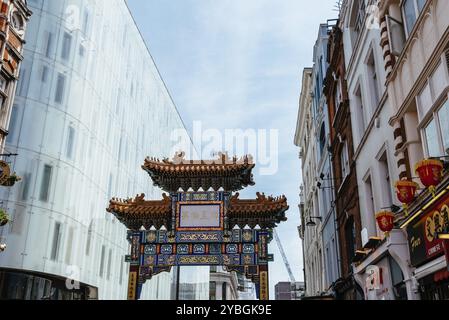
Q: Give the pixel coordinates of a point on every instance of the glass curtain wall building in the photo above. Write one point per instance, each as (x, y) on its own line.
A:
(90, 106)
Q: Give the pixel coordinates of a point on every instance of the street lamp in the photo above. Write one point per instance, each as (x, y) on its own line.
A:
(310, 223)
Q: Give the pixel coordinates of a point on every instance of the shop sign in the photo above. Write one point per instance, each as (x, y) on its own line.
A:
(423, 239)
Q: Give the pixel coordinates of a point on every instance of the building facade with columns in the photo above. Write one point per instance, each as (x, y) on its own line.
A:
(388, 101)
(224, 285)
(380, 264)
(415, 42)
(311, 236)
(318, 229)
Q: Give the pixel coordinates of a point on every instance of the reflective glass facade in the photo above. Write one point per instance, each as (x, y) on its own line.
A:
(90, 106)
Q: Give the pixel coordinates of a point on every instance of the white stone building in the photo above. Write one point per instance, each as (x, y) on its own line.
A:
(90, 107)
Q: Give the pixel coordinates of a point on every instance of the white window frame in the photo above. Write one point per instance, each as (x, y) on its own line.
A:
(407, 29)
(338, 94)
(344, 159)
(434, 116)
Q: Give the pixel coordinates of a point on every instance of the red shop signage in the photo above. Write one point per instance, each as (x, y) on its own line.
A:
(423, 239)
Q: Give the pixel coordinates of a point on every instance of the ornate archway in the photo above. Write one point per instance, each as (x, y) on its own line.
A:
(199, 226)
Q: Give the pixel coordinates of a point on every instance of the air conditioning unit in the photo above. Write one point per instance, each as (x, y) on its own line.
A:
(301, 154)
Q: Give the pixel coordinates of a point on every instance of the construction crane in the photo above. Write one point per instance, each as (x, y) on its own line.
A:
(281, 249)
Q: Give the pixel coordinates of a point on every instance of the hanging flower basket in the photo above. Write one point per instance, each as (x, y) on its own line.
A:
(385, 221)
(406, 192)
(430, 172)
(4, 217)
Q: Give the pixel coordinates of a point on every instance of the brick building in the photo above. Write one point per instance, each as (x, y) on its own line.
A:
(342, 150)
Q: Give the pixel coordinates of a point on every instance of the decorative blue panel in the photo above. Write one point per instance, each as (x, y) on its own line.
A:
(199, 249)
(215, 248)
(232, 248)
(183, 249)
(248, 248)
(166, 249)
(231, 259)
(248, 236)
(199, 237)
(236, 235)
(248, 259)
(151, 237)
(150, 249)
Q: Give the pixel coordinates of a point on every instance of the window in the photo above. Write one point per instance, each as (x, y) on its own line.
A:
(360, 15)
(89, 239)
(344, 159)
(56, 240)
(45, 183)
(60, 87)
(121, 273)
(350, 240)
(373, 79)
(224, 291)
(85, 21)
(369, 199)
(443, 117)
(322, 139)
(411, 10)
(70, 140)
(24, 81)
(44, 75)
(110, 186)
(357, 20)
(17, 22)
(385, 180)
(360, 111)
(338, 94)
(396, 35)
(66, 46)
(213, 290)
(68, 254)
(103, 249)
(25, 186)
(3, 84)
(49, 44)
(397, 279)
(436, 132)
(82, 50)
(109, 264)
(2, 101)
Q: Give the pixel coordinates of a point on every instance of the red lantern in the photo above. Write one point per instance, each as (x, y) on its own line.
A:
(385, 221)
(406, 190)
(430, 172)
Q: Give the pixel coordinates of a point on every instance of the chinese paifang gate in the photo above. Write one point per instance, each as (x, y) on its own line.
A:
(191, 227)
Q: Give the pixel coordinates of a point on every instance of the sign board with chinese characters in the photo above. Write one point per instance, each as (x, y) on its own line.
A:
(423, 241)
(199, 216)
(264, 285)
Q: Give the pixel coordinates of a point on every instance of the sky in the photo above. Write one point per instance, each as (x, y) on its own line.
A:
(237, 64)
